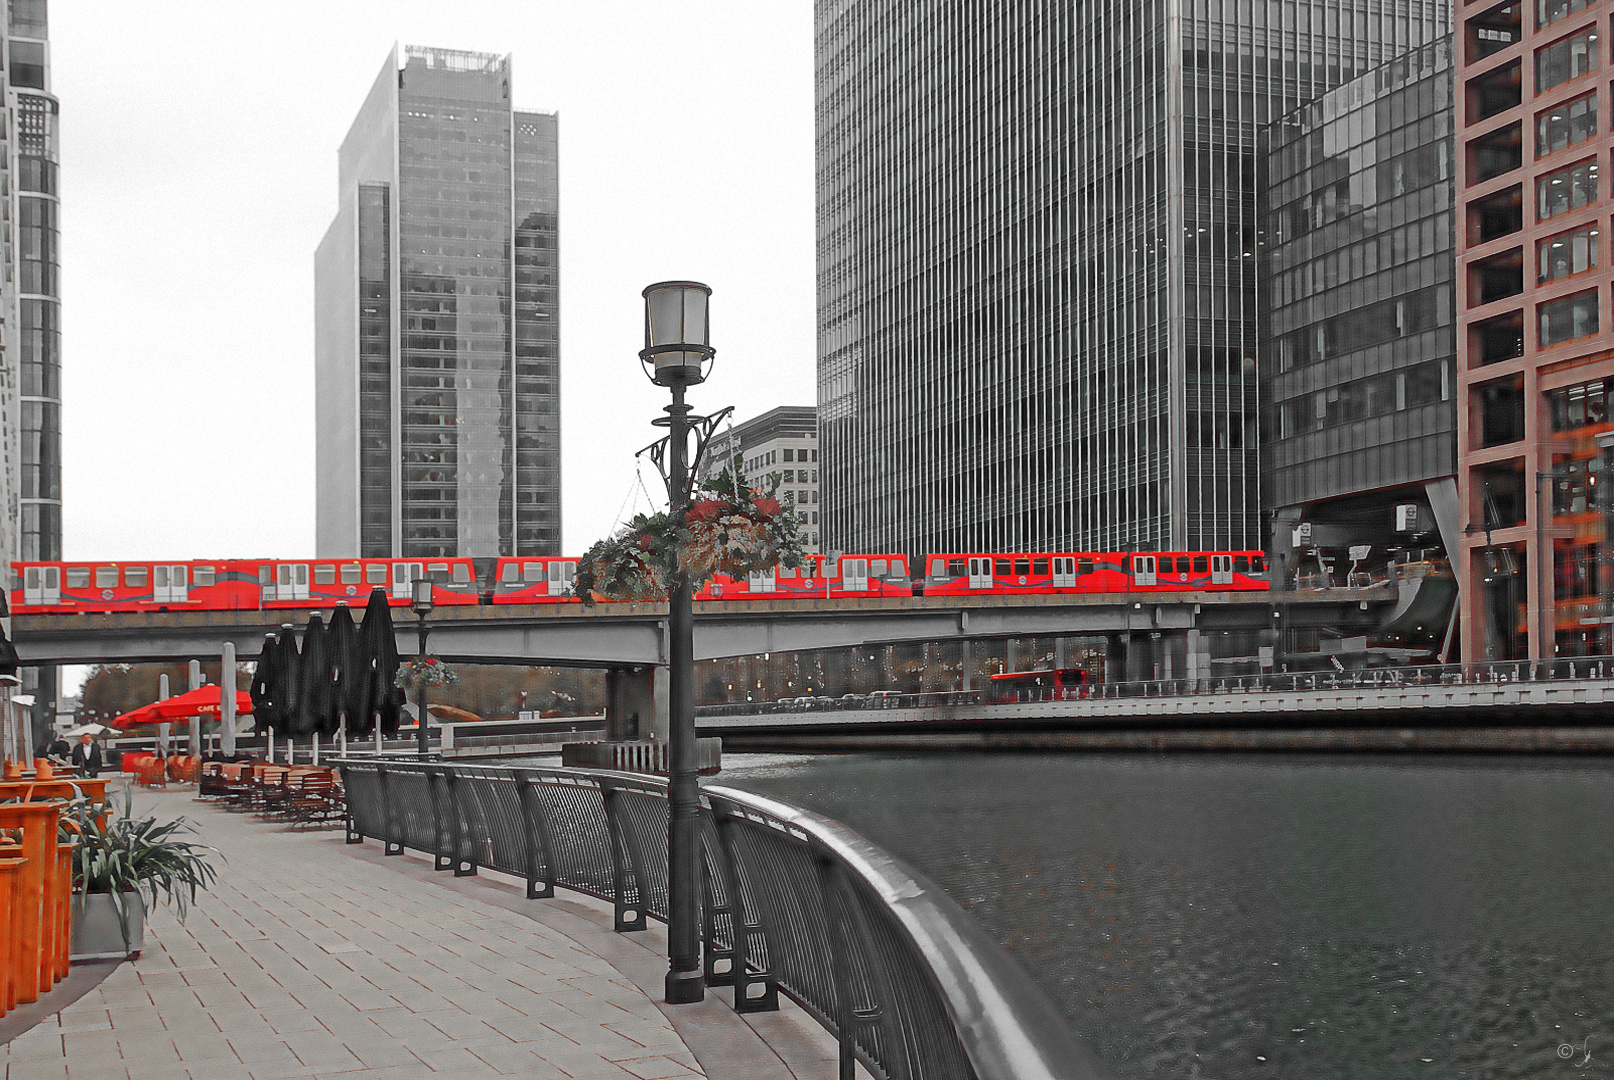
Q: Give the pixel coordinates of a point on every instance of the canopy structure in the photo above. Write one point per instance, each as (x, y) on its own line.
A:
(204, 701)
(87, 729)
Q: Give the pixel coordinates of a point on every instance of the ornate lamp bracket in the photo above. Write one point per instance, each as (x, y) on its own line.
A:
(702, 427)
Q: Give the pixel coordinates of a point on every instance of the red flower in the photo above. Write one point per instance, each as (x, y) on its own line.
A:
(767, 507)
(431, 659)
(705, 510)
(644, 542)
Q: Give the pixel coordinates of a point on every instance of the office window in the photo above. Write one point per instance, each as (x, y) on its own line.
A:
(1567, 189)
(1567, 253)
(1563, 125)
(1567, 319)
(1565, 59)
(1550, 11)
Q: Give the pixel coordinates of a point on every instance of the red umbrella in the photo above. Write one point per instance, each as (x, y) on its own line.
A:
(203, 701)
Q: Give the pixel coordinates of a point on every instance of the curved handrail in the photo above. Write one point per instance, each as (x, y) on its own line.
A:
(794, 903)
(1007, 1027)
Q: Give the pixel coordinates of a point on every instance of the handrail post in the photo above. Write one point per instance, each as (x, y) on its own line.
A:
(540, 885)
(392, 842)
(628, 914)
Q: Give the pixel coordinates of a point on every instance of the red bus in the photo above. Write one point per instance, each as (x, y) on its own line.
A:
(1055, 684)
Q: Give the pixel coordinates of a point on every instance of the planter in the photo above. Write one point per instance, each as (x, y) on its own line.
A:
(96, 933)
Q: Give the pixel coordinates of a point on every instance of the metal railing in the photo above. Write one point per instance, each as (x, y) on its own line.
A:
(794, 903)
(1494, 672)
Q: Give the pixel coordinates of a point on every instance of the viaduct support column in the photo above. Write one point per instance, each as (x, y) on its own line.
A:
(631, 702)
(1115, 657)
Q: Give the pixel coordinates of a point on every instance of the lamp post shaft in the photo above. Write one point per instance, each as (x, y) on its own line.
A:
(420, 736)
(685, 980)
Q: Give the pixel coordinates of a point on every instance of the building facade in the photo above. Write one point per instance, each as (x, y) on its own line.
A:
(1038, 241)
(1358, 357)
(780, 445)
(31, 295)
(437, 320)
(1535, 364)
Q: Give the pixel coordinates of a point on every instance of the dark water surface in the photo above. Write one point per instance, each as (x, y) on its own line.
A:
(1270, 917)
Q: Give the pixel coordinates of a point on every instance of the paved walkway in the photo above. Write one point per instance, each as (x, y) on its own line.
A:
(312, 958)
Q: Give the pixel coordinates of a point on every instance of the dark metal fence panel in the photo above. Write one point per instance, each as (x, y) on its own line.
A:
(793, 901)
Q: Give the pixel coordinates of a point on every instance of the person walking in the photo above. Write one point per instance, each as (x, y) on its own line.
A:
(87, 756)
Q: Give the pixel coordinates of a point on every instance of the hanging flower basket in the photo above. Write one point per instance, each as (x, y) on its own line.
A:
(728, 528)
(424, 671)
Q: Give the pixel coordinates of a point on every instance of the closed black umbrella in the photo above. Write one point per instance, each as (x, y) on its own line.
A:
(383, 701)
(318, 697)
(288, 684)
(265, 687)
(347, 668)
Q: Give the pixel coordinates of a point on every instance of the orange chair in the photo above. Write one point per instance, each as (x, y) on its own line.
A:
(11, 864)
(33, 963)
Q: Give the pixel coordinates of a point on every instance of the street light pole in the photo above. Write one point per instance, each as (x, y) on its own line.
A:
(422, 607)
(676, 355)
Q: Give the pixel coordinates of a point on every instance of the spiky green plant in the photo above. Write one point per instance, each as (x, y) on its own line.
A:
(118, 853)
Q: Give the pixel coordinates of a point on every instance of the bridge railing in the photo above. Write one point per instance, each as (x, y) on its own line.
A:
(794, 903)
(1494, 673)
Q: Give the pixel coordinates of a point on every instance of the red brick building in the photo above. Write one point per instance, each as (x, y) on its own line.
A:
(1534, 350)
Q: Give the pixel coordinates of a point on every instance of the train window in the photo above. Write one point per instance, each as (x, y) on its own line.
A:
(510, 573)
(1258, 564)
(351, 573)
(462, 573)
(324, 575)
(78, 577)
(1241, 564)
(106, 577)
(1001, 567)
(1039, 566)
(532, 571)
(1084, 566)
(375, 574)
(203, 575)
(135, 577)
(877, 568)
(1022, 567)
(1200, 564)
(266, 575)
(957, 568)
(437, 568)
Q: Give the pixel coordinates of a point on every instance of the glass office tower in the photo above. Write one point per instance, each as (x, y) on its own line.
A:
(1358, 360)
(33, 273)
(1038, 240)
(437, 320)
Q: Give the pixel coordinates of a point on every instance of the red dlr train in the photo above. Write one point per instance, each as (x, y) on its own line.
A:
(257, 584)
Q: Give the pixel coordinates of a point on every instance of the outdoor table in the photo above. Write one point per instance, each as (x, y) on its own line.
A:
(57, 787)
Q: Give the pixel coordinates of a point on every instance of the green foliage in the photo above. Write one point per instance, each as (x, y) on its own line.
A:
(728, 527)
(126, 854)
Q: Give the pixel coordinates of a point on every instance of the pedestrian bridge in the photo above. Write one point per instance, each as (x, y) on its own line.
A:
(631, 635)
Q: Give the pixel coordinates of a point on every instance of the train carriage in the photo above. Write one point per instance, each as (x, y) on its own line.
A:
(964, 573)
(819, 577)
(543, 579)
(233, 584)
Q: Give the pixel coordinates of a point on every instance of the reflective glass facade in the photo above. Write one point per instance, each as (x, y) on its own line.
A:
(1038, 241)
(33, 269)
(1359, 353)
(439, 391)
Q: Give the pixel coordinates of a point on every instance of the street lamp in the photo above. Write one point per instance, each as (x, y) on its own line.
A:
(421, 604)
(677, 354)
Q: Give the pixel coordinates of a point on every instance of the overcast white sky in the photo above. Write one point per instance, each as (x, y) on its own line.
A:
(199, 172)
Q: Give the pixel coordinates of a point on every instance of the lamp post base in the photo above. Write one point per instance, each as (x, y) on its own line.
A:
(685, 987)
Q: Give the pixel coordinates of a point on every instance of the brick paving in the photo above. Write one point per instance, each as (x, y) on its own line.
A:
(312, 958)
